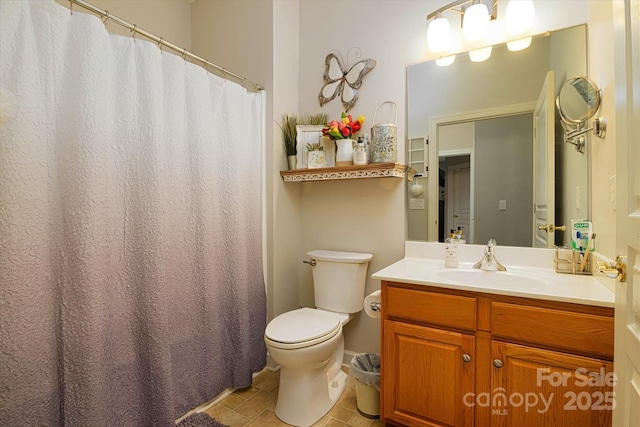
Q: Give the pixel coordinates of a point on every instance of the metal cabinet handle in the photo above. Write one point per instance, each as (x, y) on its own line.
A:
(497, 363)
(466, 358)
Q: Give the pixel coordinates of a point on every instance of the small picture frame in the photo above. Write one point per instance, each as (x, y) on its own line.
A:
(310, 134)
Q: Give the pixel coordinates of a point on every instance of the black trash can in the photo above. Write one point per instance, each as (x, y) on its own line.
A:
(365, 368)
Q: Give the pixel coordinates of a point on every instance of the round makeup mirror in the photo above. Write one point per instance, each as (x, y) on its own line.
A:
(578, 100)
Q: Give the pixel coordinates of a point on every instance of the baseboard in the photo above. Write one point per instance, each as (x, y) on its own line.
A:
(346, 359)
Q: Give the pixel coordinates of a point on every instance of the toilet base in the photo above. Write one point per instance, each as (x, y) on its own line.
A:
(307, 393)
(302, 402)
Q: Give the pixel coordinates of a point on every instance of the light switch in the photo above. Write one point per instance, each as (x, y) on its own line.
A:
(502, 205)
(612, 186)
(416, 203)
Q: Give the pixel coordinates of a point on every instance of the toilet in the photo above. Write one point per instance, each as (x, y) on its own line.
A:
(308, 343)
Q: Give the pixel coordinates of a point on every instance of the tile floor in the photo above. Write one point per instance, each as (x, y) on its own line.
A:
(254, 406)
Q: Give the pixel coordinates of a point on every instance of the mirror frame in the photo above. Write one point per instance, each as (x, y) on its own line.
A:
(590, 112)
(431, 228)
(436, 122)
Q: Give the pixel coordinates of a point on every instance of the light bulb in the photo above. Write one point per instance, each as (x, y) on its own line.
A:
(517, 45)
(438, 34)
(475, 22)
(445, 60)
(480, 55)
(519, 16)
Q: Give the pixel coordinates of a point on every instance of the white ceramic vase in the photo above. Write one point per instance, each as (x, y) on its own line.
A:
(344, 153)
(292, 160)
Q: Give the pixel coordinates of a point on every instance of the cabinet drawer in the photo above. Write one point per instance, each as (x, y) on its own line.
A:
(562, 329)
(442, 309)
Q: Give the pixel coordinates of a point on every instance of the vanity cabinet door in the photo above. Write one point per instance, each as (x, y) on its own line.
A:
(426, 374)
(533, 387)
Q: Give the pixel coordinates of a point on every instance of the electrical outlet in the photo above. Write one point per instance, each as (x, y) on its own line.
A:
(502, 205)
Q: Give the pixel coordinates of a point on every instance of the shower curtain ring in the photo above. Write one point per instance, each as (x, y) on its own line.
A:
(71, 7)
(205, 63)
(184, 55)
(134, 30)
(224, 74)
(105, 18)
(160, 44)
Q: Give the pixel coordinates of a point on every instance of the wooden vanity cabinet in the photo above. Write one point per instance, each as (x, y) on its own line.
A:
(454, 358)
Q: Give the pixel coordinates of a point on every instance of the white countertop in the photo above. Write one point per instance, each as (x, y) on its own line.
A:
(529, 274)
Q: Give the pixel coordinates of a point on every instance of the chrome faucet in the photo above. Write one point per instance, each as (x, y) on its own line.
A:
(489, 261)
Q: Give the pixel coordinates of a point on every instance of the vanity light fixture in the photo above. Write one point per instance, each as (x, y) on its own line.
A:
(445, 60)
(439, 34)
(475, 21)
(480, 55)
(519, 16)
(519, 19)
(520, 44)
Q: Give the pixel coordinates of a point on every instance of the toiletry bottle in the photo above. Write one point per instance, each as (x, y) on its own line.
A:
(461, 237)
(451, 251)
(367, 147)
(359, 153)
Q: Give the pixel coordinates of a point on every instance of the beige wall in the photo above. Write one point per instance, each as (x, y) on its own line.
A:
(170, 19)
(603, 151)
(282, 45)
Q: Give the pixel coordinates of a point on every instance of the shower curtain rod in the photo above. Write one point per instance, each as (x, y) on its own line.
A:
(160, 41)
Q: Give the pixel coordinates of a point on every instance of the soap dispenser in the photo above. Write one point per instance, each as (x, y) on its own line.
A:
(461, 237)
(451, 251)
(359, 153)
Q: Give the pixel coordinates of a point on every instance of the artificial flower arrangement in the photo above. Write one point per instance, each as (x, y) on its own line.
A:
(345, 128)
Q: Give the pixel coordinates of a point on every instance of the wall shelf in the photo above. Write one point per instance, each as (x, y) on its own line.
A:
(375, 170)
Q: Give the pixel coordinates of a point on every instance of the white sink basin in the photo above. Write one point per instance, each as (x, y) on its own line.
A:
(514, 279)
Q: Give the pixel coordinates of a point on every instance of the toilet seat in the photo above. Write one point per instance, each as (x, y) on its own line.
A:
(303, 327)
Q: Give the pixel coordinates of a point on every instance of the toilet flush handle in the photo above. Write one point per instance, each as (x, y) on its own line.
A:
(311, 262)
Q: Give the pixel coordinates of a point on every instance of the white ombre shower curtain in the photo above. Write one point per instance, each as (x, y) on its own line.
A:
(131, 284)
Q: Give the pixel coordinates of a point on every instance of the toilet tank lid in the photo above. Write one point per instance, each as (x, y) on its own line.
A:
(336, 256)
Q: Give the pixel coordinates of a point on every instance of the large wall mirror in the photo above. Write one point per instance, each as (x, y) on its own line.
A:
(485, 169)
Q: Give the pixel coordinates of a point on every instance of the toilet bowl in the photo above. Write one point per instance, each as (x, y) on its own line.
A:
(308, 343)
(309, 346)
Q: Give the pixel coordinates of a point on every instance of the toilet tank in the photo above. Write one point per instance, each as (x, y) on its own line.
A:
(339, 279)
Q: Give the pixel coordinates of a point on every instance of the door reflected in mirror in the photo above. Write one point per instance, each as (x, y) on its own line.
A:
(489, 172)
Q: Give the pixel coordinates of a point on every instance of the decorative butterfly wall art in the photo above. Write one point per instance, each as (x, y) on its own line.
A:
(339, 81)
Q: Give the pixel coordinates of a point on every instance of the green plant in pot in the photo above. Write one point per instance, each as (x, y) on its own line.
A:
(289, 134)
(289, 129)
